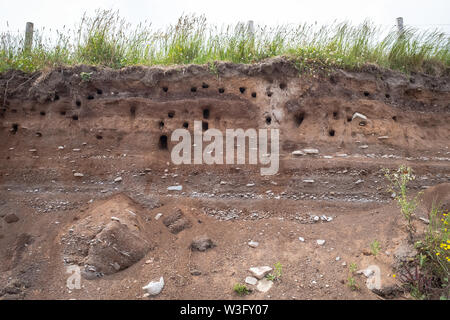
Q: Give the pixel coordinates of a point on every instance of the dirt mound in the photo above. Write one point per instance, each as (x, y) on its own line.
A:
(109, 238)
(177, 222)
(437, 196)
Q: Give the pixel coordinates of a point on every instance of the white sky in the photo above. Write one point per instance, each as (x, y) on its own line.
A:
(54, 14)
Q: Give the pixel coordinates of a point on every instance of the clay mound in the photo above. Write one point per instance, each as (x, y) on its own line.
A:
(437, 196)
(109, 238)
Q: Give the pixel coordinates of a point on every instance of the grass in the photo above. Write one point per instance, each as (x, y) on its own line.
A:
(106, 39)
(277, 272)
(351, 282)
(241, 289)
(375, 247)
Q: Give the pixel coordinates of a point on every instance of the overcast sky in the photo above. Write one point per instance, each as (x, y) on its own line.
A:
(56, 13)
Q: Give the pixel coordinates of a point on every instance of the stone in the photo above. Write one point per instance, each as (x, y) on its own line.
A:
(175, 188)
(301, 239)
(176, 222)
(251, 280)
(264, 285)
(320, 242)
(11, 218)
(118, 179)
(154, 288)
(308, 181)
(298, 153)
(310, 151)
(383, 137)
(364, 146)
(359, 115)
(78, 174)
(202, 243)
(260, 272)
(253, 244)
(159, 215)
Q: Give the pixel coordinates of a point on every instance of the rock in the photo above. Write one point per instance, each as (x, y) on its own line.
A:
(78, 174)
(202, 243)
(359, 181)
(298, 153)
(175, 188)
(364, 146)
(405, 252)
(118, 179)
(196, 272)
(253, 244)
(154, 287)
(311, 151)
(250, 184)
(264, 285)
(338, 258)
(320, 242)
(301, 239)
(115, 219)
(308, 181)
(177, 222)
(359, 115)
(159, 215)
(383, 137)
(424, 220)
(367, 272)
(251, 280)
(11, 218)
(260, 272)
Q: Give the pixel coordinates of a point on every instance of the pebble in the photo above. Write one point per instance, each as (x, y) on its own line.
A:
(78, 174)
(118, 179)
(311, 151)
(158, 216)
(264, 285)
(253, 244)
(301, 239)
(320, 242)
(153, 288)
(175, 188)
(298, 153)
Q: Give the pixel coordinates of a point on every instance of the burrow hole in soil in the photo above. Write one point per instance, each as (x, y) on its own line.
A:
(163, 142)
(387, 95)
(185, 125)
(349, 119)
(269, 94)
(298, 118)
(331, 132)
(194, 89)
(99, 91)
(161, 124)
(132, 111)
(171, 114)
(366, 93)
(268, 120)
(56, 97)
(165, 89)
(335, 114)
(206, 113)
(14, 128)
(99, 137)
(205, 85)
(42, 113)
(221, 90)
(394, 118)
(75, 117)
(204, 125)
(254, 94)
(78, 103)
(242, 89)
(38, 134)
(63, 113)
(283, 86)
(90, 97)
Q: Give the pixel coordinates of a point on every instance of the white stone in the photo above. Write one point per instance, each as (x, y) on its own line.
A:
(158, 216)
(115, 219)
(320, 242)
(154, 287)
(253, 244)
(175, 188)
(250, 184)
(301, 239)
(251, 280)
(264, 285)
(118, 179)
(78, 174)
(298, 153)
(260, 272)
(308, 181)
(364, 146)
(310, 151)
(359, 115)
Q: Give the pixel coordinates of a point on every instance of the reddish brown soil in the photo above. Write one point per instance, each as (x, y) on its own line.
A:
(114, 119)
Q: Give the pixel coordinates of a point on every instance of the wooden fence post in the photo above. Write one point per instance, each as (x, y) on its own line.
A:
(28, 36)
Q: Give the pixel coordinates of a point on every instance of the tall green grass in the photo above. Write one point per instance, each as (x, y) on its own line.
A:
(108, 40)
